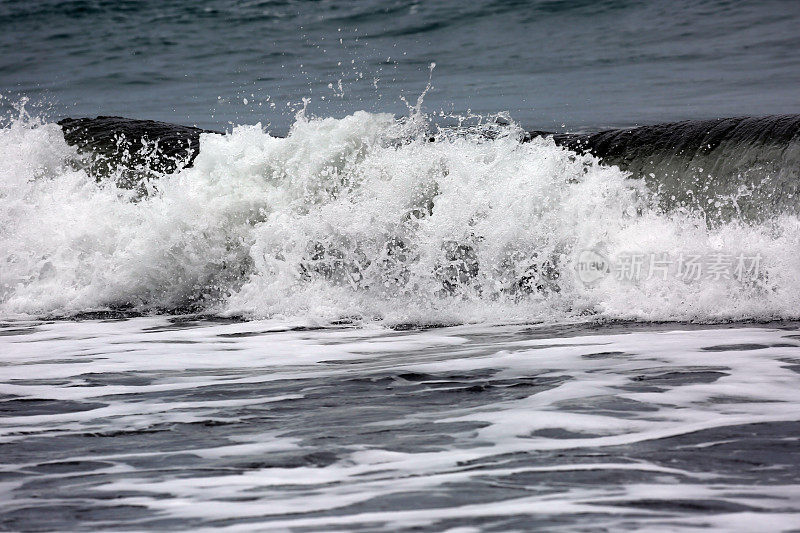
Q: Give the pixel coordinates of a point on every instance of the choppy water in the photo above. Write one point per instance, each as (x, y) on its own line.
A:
(183, 424)
(243, 342)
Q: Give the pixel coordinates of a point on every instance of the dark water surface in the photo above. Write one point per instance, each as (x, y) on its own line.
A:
(548, 62)
(153, 423)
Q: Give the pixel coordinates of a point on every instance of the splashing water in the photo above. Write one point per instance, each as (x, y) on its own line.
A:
(368, 217)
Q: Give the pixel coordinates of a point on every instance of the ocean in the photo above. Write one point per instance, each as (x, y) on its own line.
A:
(583, 64)
(399, 266)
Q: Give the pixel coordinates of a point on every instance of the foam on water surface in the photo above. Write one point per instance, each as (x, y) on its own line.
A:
(156, 423)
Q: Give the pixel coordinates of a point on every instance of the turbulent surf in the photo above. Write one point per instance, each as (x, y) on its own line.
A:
(371, 217)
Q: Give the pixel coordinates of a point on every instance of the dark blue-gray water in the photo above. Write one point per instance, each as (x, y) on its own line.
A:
(585, 64)
(185, 424)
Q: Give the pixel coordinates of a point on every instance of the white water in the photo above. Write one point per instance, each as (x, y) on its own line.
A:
(480, 426)
(335, 221)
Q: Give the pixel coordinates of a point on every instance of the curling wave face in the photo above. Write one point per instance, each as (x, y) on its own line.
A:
(370, 217)
(753, 162)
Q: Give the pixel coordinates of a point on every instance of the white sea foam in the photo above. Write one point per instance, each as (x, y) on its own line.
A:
(659, 430)
(365, 217)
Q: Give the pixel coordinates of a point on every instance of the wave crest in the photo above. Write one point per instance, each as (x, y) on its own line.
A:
(368, 217)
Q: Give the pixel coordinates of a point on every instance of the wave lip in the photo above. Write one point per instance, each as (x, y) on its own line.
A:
(691, 163)
(132, 149)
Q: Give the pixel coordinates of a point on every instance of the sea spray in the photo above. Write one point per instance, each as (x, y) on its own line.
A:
(374, 218)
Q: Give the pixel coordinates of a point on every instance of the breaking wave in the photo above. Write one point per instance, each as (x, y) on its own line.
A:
(370, 217)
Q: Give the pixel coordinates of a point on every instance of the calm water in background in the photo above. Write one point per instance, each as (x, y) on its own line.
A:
(585, 64)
